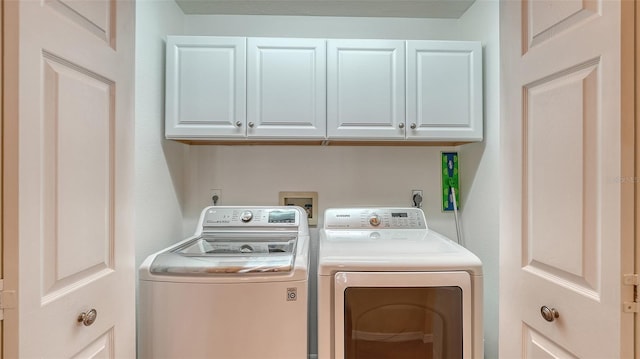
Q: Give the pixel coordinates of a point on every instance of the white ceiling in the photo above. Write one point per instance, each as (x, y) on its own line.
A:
(366, 8)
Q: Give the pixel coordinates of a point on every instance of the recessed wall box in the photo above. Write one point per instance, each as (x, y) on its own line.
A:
(306, 200)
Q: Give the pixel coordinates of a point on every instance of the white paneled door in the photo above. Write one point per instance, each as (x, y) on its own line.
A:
(68, 164)
(567, 181)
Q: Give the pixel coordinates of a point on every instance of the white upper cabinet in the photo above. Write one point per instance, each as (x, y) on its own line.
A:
(286, 88)
(236, 88)
(365, 89)
(205, 87)
(444, 90)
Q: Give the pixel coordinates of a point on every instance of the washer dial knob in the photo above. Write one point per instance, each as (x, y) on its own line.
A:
(246, 216)
(374, 220)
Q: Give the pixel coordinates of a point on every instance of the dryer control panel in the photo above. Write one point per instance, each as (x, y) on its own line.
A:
(374, 218)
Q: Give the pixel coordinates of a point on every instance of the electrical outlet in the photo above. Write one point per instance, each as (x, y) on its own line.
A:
(450, 179)
(214, 196)
(416, 198)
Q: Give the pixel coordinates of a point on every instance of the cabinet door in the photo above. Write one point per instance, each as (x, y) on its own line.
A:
(444, 90)
(286, 94)
(366, 85)
(205, 87)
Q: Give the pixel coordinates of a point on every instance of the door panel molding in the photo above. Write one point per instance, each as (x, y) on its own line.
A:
(543, 20)
(96, 17)
(564, 143)
(77, 207)
(539, 346)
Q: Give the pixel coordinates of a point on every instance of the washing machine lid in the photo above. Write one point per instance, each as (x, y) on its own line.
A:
(392, 250)
(229, 253)
(387, 239)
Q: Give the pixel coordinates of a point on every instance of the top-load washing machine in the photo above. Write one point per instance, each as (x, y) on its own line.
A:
(388, 287)
(236, 289)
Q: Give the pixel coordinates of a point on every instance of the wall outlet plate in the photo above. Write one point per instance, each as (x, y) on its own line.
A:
(450, 179)
(307, 200)
(217, 193)
(416, 198)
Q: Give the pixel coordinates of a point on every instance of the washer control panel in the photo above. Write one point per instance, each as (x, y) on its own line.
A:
(251, 217)
(374, 218)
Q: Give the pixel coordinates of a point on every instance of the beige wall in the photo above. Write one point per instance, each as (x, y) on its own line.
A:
(159, 170)
(479, 167)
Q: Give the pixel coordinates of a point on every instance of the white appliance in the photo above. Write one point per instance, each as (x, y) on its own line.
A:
(236, 289)
(388, 287)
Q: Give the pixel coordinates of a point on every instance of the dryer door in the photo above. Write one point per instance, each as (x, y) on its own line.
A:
(402, 315)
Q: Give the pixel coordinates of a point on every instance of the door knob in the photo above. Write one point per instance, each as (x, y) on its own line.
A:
(413, 126)
(251, 124)
(87, 318)
(238, 124)
(401, 125)
(549, 314)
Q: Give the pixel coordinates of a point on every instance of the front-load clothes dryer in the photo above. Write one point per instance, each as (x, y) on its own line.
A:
(389, 287)
(236, 289)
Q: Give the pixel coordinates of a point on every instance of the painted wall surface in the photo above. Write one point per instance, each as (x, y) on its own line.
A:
(174, 180)
(322, 27)
(342, 176)
(159, 187)
(479, 166)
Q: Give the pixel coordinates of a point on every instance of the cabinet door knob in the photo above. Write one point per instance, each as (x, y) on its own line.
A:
(238, 124)
(549, 314)
(413, 126)
(401, 125)
(87, 318)
(251, 124)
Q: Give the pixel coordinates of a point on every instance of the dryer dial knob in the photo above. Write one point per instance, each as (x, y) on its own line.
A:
(374, 220)
(246, 216)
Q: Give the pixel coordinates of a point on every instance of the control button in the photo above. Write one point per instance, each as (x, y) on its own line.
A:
(246, 216)
(374, 220)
